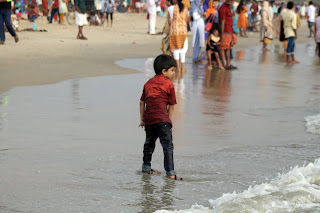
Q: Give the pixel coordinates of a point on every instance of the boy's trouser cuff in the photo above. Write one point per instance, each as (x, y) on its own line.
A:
(146, 168)
(172, 172)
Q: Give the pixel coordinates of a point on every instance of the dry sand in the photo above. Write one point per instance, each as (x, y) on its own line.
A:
(56, 55)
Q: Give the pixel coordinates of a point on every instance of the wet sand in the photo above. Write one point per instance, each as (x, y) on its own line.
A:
(74, 146)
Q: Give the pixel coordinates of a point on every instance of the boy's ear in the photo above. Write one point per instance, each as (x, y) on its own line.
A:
(164, 71)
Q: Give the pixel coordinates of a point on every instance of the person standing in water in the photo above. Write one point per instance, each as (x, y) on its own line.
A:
(156, 108)
(290, 32)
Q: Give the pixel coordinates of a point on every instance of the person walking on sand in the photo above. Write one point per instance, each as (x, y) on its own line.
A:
(227, 37)
(198, 36)
(311, 16)
(54, 10)
(5, 18)
(317, 32)
(109, 11)
(178, 32)
(156, 108)
(290, 32)
(242, 24)
(152, 10)
(81, 18)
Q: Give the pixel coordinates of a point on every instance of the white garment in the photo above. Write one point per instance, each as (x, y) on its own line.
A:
(303, 10)
(180, 54)
(197, 24)
(311, 13)
(151, 6)
(152, 22)
(271, 12)
(170, 10)
(81, 19)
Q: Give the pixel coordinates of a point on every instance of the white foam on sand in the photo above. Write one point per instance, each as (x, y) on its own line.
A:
(313, 124)
(295, 191)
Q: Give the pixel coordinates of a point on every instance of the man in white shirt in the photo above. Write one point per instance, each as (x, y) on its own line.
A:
(152, 10)
(311, 17)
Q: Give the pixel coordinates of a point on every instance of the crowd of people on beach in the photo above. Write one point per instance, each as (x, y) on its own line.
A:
(216, 25)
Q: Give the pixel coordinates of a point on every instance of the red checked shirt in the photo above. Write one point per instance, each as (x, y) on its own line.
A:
(158, 93)
(225, 14)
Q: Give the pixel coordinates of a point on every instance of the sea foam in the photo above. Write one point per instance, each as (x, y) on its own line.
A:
(313, 124)
(295, 191)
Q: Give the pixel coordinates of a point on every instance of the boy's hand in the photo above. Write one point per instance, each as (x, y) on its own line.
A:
(141, 124)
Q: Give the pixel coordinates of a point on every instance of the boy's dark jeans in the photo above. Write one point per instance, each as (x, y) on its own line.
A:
(163, 131)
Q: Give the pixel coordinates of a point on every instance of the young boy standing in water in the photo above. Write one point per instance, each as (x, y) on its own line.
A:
(156, 109)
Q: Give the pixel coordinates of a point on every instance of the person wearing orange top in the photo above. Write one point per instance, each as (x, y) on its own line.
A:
(211, 9)
(242, 19)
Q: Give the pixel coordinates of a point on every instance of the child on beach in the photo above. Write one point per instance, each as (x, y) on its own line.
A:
(212, 47)
(156, 109)
(290, 31)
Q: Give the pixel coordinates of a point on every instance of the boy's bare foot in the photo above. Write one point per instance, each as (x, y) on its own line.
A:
(16, 38)
(174, 177)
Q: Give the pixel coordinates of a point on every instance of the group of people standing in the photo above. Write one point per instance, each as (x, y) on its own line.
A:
(220, 35)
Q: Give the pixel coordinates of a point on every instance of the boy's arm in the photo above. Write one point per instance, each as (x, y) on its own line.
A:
(142, 109)
(170, 111)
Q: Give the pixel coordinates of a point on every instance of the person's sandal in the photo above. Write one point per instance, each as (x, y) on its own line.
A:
(152, 171)
(233, 67)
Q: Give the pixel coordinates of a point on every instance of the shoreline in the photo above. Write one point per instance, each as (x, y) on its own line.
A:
(54, 56)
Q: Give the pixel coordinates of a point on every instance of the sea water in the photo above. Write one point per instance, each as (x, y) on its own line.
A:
(241, 141)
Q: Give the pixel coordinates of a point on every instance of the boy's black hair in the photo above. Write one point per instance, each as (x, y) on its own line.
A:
(310, 2)
(163, 61)
(290, 5)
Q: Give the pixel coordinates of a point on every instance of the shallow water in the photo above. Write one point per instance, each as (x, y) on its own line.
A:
(75, 146)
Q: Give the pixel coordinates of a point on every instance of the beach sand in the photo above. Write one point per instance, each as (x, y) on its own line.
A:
(56, 55)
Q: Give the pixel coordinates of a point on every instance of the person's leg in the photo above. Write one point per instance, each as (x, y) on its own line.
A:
(176, 56)
(289, 48)
(107, 19)
(2, 34)
(196, 47)
(245, 32)
(209, 52)
(149, 146)
(293, 60)
(182, 61)
(216, 54)
(165, 135)
(152, 20)
(223, 57)
(7, 21)
(228, 58)
(111, 18)
(53, 12)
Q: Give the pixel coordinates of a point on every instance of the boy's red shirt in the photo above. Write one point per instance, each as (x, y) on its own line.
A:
(158, 93)
(225, 14)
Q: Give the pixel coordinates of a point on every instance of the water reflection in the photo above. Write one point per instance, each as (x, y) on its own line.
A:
(154, 197)
(240, 55)
(4, 101)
